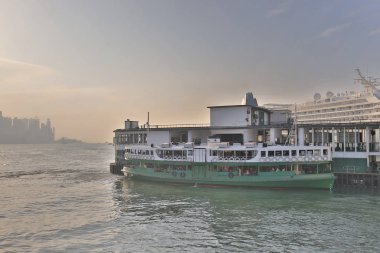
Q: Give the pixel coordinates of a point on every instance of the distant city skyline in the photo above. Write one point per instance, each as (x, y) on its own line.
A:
(89, 64)
(25, 130)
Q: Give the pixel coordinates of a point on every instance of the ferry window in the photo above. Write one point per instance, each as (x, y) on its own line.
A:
(249, 154)
(294, 152)
(151, 152)
(214, 153)
(278, 153)
(159, 153)
(325, 152)
(317, 152)
(263, 154)
(285, 153)
(270, 153)
(228, 153)
(243, 154)
(220, 153)
(310, 152)
(302, 153)
(190, 153)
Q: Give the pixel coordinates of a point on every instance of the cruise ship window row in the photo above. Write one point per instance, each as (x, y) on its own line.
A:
(343, 116)
(338, 110)
(343, 111)
(332, 104)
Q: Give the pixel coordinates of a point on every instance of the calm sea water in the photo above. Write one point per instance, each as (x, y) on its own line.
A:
(62, 198)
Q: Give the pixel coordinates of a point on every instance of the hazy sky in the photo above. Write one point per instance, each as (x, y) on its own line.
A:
(89, 65)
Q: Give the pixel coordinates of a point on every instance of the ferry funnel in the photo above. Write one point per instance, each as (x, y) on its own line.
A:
(249, 99)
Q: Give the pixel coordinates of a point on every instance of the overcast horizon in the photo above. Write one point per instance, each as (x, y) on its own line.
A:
(89, 65)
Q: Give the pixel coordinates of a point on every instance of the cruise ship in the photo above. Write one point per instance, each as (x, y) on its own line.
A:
(342, 107)
(348, 122)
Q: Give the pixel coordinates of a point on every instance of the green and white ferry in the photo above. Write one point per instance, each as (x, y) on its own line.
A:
(244, 145)
(219, 164)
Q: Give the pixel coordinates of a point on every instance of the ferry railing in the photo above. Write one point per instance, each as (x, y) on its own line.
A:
(359, 169)
(177, 126)
(351, 147)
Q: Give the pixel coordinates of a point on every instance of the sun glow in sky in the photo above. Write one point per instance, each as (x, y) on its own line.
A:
(89, 65)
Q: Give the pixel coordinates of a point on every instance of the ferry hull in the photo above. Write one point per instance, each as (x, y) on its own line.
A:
(263, 180)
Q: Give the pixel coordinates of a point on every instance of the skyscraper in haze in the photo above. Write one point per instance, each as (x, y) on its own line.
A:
(22, 130)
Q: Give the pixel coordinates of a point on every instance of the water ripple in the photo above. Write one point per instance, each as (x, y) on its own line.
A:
(61, 198)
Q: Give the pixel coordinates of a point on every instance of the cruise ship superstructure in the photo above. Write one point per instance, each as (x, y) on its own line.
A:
(348, 122)
(344, 107)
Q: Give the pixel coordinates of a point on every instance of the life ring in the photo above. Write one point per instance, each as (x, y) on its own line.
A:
(231, 175)
(182, 174)
(174, 173)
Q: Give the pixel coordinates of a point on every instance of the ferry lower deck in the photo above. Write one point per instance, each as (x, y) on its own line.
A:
(279, 175)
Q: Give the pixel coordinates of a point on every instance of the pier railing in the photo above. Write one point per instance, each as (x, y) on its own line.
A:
(177, 126)
(358, 169)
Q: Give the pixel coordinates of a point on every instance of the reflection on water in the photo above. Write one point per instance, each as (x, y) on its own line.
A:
(235, 219)
(60, 198)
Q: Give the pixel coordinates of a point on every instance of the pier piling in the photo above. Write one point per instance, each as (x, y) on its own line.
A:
(357, 180)
(115, 168)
